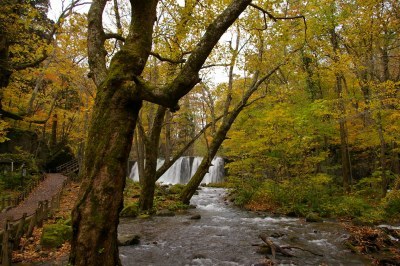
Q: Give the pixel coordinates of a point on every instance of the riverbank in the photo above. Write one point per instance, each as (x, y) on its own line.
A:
(370, 242)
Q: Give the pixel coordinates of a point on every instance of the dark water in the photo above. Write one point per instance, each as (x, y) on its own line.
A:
(225, 236)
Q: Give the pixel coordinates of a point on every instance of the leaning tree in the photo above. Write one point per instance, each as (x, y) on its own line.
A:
(120, 92)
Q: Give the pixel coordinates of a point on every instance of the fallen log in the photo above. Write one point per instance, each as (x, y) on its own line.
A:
(274, 247)
(281, 249)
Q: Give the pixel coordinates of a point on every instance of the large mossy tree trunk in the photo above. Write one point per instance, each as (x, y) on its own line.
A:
(120, 91)
(95, 217)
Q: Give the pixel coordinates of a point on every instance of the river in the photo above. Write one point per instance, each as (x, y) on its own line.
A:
(226, 235)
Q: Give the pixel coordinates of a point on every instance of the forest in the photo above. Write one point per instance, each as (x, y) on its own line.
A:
(300, 98)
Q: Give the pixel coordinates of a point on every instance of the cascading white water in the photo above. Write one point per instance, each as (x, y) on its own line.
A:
(183, 169)
(216, 171)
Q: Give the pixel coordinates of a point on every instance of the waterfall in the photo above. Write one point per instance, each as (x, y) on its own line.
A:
(183, 169)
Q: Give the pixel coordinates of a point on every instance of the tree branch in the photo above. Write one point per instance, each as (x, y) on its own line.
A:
(189, 75)
(112, 35)
(159, 57)
(215, 65)
(275, 19)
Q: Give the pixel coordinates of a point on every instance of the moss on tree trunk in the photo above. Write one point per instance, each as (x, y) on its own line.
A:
(95, 217)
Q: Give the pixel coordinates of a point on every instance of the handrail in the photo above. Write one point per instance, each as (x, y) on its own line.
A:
(15, 229)
(68, 167)
(13, 202)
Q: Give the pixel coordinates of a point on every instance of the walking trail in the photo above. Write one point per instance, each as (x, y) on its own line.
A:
(44, 191)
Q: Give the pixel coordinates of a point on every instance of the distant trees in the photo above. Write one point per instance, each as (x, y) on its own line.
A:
(43, 73)
(332, 110)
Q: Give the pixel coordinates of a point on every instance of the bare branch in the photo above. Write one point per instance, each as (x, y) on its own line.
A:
(117, 36)
(215, 65)
(161, 58)
(275, 19)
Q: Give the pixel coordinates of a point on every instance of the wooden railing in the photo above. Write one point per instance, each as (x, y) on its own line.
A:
(14, 230)
(10, 202)
(69, 167)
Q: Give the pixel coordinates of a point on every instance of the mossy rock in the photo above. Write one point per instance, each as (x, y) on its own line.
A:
(130, 211)
(144, 216)
(313, 218)
(54, 235)
(128, 240)
(176, 189)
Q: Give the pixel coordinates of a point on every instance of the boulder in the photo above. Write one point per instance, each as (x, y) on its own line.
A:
(195, 217)
(313, 218)
(128, 240)
(54, 235)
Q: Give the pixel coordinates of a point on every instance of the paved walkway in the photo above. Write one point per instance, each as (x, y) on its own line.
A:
(44, 191)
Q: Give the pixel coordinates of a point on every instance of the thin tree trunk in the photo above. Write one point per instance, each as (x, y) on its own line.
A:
(382, 155)
(342, 122)
(53, 140)
(151, 145)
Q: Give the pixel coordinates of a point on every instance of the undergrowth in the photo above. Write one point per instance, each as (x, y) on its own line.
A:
(316, 194)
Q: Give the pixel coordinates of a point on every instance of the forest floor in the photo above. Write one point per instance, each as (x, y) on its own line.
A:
(380, 245)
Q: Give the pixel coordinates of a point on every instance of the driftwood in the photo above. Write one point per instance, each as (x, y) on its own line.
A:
(281, 249)
(274, 247)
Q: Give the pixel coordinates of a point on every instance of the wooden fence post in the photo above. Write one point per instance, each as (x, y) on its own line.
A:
(6, 250)
(32, 223)
(20, 231)
(40, 214)
(46, 210)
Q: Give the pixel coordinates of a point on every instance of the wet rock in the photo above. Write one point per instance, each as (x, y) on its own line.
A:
(264, 250)
(198, 256)
(292, 214)
(277, 234)
(191, 206)
(313, 218)
(165, 213)
(195, 217)
(128, 240)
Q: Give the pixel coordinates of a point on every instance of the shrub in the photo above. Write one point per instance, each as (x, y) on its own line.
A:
(130, 210)
(391, 203)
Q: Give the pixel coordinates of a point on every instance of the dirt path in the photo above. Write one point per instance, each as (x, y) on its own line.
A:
(44, 191)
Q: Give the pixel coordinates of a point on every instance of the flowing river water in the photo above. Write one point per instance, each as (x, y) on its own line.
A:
(226, 235)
